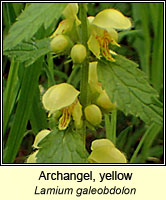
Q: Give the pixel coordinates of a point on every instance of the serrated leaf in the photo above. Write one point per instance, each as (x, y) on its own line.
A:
(31, 19)
(30, 51)
(62, 147)
(129, 88)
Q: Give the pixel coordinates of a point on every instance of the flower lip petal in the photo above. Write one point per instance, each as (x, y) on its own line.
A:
(59, 96)
(42, 134)
(32, 158)
(77, 114)
(112, 18)
(94, 46)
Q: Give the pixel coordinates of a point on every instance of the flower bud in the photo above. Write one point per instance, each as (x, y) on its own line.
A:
(104, 102)
(78, 53)
(60, 43)
(93, 114)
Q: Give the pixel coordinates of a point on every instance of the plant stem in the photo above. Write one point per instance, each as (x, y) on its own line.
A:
(111, 126)
(84, 65)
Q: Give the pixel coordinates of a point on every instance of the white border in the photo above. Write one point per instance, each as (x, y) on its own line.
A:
(27, 165)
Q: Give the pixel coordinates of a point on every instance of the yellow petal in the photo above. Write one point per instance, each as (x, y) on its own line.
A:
(112, 18)
(32, 158)
(94, 46)
(113, 36)
(77, 114)
(65, 119)
(101, 143)
(97, 31)
(63, 27)
(59, 96)
(90, 19)
(71, 10)
(93, 78)
(105, 152)
(103, 38)
(42, 134)
(104, 102)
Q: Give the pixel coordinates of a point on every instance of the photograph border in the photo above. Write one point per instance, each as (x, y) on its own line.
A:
(82, 164)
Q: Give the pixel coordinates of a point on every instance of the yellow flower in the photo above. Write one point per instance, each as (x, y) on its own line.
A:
(104, 151)
(63, 97)
(104, 102)
(42, 134)
(32, 158)
(103, 32)
(96, 87)
(93, 78)
(70, 14)
(39, 137)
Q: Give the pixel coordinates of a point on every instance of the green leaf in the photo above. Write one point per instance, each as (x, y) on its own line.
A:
(31, 19)
(142, 43)
(38, 117)
(30, 51)
(128, 87)
(62, 147)
(10, 93)
(28, 88)
(123, 137)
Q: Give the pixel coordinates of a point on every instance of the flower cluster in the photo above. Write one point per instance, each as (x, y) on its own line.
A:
(62, 100)
(102, 31)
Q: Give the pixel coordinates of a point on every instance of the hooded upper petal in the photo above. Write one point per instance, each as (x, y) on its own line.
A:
(112, 18)
(104, 151)
(59, 96)
(100, 143)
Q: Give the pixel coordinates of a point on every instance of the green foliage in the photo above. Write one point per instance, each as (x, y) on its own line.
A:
(28, 52)
(10, 93)
(62, 147)
(38, 118)
(30, 68)
(128, 87)
(28, 89)
(28, 23)
(148, 19)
